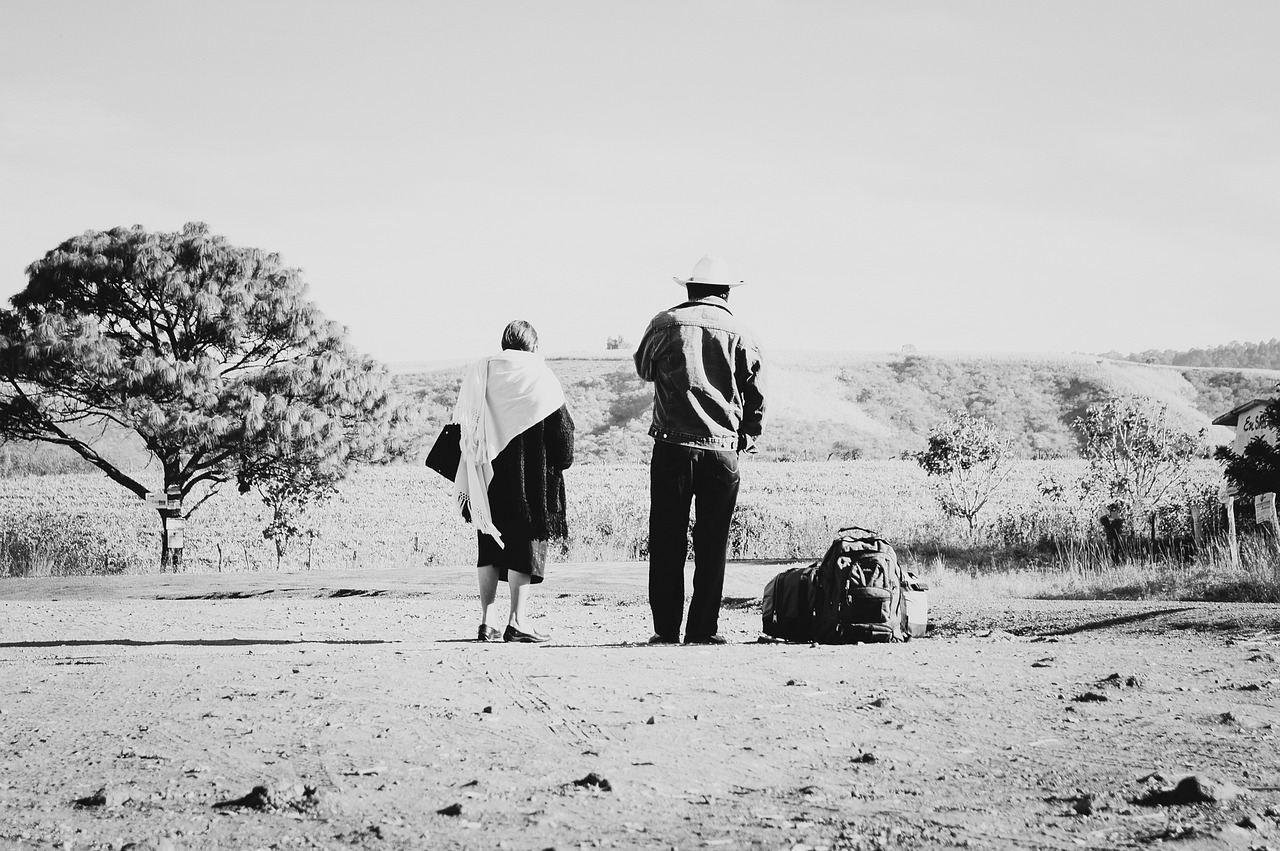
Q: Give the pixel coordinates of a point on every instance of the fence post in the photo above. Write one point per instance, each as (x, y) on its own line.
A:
(1233, 543)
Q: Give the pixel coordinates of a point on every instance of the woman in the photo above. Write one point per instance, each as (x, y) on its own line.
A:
(517, 437)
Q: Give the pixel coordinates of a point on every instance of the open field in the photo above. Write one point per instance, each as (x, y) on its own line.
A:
(147, 709)
(402, 515)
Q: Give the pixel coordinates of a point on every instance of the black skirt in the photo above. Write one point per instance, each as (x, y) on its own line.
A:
(520, 554)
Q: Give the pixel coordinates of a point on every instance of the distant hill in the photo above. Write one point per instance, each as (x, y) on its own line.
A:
(835, 405)
(1232, 355)
(849, 405)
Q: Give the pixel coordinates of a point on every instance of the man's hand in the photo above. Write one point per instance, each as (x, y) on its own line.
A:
(747, 443)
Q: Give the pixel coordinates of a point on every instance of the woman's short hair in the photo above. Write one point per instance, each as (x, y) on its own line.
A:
(519, 335)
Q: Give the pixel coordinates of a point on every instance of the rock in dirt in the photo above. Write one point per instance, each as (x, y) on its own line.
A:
(1192, 789)
(864, 758)
(1083, 804)
(1091, 697)
(594, 781)
(159, 844)
(277, 795)
(1118, 681)
(107, 796)
(451, 810)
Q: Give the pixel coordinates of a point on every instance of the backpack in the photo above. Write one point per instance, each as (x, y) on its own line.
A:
(853, 594)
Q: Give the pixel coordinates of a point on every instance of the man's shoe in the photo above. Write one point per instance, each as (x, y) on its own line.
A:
(513, 634)
(705, 639)
(488, 633)
(664, 639)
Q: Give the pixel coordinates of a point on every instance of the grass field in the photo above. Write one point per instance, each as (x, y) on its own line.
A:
(402, 515)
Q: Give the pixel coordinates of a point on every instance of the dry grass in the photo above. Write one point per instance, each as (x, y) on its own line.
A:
(402, 516)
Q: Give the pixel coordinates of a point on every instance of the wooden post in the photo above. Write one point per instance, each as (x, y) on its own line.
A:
(1233, 543)
(1197, 533)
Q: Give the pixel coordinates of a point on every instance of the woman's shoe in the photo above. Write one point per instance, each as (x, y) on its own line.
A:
(664, 639)
(488, 633)
(513, 634)
(705, 639)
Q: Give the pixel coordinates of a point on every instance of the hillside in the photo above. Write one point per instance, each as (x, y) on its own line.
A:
(878, 406)
(831, 405)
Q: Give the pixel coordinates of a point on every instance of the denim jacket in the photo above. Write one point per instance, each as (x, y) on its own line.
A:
(708, 388)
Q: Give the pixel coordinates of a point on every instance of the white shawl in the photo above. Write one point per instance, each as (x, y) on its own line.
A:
(501, 396)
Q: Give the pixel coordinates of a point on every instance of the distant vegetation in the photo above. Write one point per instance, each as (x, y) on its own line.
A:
(833, 407)
(839, 407)
(1232, 355)
(841, 432)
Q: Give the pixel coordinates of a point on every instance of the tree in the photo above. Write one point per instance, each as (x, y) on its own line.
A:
(1256, 469)
(211, 354)
(1134, 455)
(968, 460)
(288, 485)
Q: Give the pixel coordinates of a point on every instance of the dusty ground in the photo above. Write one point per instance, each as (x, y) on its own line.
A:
(146, 710)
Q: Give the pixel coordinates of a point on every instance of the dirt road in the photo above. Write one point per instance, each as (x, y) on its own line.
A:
(328, 710)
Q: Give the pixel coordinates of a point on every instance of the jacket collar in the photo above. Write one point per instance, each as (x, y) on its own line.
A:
(706, 301)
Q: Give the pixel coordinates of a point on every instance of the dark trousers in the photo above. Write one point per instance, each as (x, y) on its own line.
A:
(679, 476)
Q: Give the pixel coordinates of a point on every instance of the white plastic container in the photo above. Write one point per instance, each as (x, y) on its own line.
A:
(915, 598)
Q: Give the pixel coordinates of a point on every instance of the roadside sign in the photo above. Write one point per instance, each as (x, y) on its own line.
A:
(1264, 508)
(159, 499)
(176, 527)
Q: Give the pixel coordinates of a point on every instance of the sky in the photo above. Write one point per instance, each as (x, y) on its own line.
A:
(1074, 176)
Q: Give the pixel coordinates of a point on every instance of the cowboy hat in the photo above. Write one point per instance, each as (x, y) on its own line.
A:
(710, 270)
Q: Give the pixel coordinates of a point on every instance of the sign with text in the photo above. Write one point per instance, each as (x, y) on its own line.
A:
(157, 499)
(1264, 508)
(176, 527)
(1250, 425)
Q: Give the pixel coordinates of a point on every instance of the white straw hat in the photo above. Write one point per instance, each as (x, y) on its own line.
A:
(710, 270)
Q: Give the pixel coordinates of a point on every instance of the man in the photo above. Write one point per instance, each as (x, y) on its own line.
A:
(708, 406)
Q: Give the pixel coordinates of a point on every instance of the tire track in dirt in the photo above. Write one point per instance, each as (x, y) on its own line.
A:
(553, 712)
